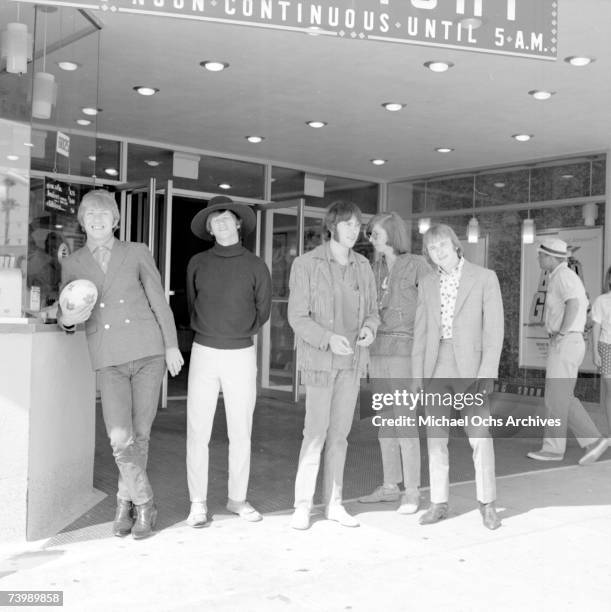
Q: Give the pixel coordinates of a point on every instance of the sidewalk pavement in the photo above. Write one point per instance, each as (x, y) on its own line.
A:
(553, 552)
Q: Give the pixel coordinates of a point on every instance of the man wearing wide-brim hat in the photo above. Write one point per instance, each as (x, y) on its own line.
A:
(229, 299)
(566, 307)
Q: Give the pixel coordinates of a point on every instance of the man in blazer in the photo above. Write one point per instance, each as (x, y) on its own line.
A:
(132, 337)
(458, 337)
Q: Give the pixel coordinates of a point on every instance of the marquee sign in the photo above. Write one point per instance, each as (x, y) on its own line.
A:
(526, 28)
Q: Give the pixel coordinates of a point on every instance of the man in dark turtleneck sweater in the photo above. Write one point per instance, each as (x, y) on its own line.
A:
(229, 298)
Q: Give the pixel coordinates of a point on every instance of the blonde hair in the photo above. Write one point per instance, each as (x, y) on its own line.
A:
(437, 231)
(101, 199)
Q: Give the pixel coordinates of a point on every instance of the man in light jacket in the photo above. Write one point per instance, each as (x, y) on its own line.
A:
(458, 337)
(333, 312)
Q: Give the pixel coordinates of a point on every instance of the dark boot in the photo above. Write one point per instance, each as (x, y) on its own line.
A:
(124, 518)
(489, 516)
(146, 515)
(435, 513)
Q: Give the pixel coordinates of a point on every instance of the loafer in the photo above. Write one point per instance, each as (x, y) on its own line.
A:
(301, 518)
(124, 518)
(198, 516)
(542, 455)
(489, 515)
(410, 501)
(434, 514)
(337, 513)
(594, 451)
(383, 493)
(244, 510)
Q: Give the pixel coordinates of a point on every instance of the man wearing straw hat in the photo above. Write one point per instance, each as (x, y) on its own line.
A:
(566, 307)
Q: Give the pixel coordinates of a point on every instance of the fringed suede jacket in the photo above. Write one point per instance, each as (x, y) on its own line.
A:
(311, 311)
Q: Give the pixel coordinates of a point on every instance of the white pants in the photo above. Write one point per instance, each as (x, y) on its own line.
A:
(235, 372)
(563, 360)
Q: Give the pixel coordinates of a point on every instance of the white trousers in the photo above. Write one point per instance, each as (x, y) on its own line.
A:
(563, 360)
(235, 372)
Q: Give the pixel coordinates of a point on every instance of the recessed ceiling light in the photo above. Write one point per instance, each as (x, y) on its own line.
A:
(214, 66)
(68, 66)
(58, 226)
(579, 60)
(146, 91)
(88, 110)
(83, 121)
(444, 149)
(393, 106)
(499, 184)
(378, 162)
(111, 171)
(255, 139)
(438, 66)
(12, 157)
(522, 137)
(224, 185)
(92, 157)
(28, 144)
(316, 124)
(153, 163)
(566, 176)
(541, 94)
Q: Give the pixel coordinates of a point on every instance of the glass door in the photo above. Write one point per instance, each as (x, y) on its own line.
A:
(289, 230)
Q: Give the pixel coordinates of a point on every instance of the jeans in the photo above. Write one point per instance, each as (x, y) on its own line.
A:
(328, 419)
(400, 455)
(235, 372)
(130, 396)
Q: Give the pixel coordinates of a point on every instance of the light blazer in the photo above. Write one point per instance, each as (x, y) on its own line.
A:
(131, 318)
(477, 329)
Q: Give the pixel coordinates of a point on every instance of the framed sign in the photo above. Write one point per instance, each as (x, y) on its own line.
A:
(586, 244)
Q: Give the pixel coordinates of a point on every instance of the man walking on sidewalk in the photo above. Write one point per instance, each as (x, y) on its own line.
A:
(566, 307)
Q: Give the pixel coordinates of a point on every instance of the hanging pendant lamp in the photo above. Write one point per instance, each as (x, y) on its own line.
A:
(14, 48)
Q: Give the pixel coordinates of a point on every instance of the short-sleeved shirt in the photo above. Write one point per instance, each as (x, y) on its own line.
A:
(564, 285)
(601, 314)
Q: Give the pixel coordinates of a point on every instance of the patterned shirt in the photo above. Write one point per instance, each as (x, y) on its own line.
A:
(448, 291)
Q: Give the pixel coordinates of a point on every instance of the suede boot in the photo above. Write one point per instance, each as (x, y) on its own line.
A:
(146, 515)
(124, 518)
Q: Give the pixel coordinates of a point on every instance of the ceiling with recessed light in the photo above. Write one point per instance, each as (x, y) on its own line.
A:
(274, 82)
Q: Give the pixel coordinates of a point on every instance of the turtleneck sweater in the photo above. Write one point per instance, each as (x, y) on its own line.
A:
(229, 296)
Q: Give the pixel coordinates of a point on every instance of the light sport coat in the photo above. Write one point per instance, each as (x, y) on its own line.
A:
(477, 328)
(311, 311)
(131, 318)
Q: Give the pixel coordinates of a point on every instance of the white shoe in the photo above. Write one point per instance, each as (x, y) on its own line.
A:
(197, 515)
(383, 493)
(410, 501)
(594, 451)
(337, 512)
(301, 518)
(244, 510)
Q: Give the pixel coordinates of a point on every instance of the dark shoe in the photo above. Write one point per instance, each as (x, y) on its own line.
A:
(146, 515)
(124, 518)
(435, 513)
(489, 516)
